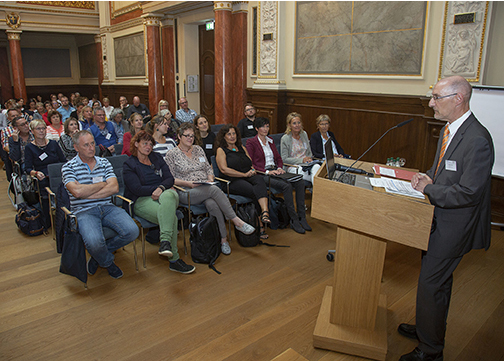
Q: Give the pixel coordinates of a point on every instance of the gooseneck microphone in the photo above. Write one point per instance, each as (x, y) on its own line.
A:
(362, 155)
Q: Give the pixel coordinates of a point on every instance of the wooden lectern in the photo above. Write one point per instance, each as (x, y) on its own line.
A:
(353, 314)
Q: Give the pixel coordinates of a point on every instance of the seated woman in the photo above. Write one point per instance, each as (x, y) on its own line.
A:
(158, 127)
(149, 183)
(39, 112)
(236, 166)
(65, 142)
(295, 148)
(265, 158)
(205, 138)
(86, 119)
(108, 108)
(319, 139)
(121, 126)
(172, 124)
(189, 166)
(54, 129)
(136, 125)
(38, 155)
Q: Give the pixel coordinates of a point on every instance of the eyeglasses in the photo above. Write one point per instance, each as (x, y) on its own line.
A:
(437, 97)
(190, 136)
(22, 124)
(40, 129)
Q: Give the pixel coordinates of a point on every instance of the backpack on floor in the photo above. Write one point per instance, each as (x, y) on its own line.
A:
(278, 213)
(248, 214)
(205, 241)
(29, 220)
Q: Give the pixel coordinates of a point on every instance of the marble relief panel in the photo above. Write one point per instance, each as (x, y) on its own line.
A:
(129, 55)
(362, 37)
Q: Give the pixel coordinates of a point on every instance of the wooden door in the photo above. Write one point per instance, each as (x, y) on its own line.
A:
(207, 73)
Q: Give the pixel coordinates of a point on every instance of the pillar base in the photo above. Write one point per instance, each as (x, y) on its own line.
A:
(351, 340)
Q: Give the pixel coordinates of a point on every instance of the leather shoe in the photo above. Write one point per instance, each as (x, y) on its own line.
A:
(408, 331)
(419, 355)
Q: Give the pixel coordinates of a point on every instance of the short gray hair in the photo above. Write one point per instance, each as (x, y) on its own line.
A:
(79, 134)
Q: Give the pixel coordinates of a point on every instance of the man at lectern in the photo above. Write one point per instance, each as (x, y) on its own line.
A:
(458, 185)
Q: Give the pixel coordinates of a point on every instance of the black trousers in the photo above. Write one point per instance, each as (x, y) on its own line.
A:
(286, 188)
(252, 187)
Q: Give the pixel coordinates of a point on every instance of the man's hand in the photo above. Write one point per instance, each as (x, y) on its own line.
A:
(15, 135)
(112, 149)
(419, 181)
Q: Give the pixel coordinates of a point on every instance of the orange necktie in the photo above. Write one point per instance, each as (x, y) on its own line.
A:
(446, 135)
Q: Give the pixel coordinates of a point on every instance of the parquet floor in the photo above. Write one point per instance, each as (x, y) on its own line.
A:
(265, 301)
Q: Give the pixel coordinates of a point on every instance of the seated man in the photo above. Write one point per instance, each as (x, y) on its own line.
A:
(246, 125)
(103, 132)
(90, 182)
(137, 107)
(20, 137)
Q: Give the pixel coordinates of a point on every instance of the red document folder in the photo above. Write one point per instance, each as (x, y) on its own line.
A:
(398, 172)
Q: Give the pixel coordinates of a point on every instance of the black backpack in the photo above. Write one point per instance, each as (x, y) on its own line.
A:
(205, 241)
(248, 214)
(278, 213)
(29, 220)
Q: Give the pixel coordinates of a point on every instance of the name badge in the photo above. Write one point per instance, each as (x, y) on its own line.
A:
(202, 159)
(108, 136)
(250, 127)
(97, 179)
(208, 146)
(451, 165)
(43, 156)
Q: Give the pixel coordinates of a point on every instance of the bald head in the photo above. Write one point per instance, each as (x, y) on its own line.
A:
(458, 84)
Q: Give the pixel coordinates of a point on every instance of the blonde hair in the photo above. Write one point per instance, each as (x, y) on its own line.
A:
(291, 116)
(36, 122)
(162, 102)
(321, 118)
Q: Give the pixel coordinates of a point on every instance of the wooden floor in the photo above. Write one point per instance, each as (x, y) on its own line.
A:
(265, 301)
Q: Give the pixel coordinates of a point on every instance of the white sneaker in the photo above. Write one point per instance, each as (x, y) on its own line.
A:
(225, 248)
(246, 229)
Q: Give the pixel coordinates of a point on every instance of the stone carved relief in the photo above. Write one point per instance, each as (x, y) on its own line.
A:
(462, 48)
(268, 48)
(104, 57)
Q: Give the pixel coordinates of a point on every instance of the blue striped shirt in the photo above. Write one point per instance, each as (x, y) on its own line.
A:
(76, 170)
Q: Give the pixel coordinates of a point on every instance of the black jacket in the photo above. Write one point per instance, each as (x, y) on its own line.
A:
(317, 147)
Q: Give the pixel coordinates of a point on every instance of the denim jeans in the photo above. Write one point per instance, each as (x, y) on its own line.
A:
(91, 222)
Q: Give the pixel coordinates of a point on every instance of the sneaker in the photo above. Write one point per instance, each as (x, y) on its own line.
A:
(296, 226)
(91, 266)
(305, 224)
(246, 229)
(114, 271)
(165, 249)
(225, 248)
(181, 266)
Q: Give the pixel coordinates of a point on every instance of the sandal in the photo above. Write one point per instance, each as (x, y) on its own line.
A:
(265, 217)
(263, 235)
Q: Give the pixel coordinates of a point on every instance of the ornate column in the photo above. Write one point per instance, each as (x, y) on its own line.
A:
(239, 41)
(99, 57)
(168, 43)
(223, 63)
(5, 79)
(152, 23)
(14, 37)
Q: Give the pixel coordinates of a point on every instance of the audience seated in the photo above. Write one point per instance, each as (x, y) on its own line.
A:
(86, 120)
(295, 148)
(65, 142)
(265, 158)
(319, 139)
(121, 125)
(149, 183)
(54, 129)
(204, 137)
(189, 166)
(123, 104)
(38, 114)
(65, 109)
(184, 114)
(157, 128)
(246, 125)
(103, 132)
(236, 166)
(136, 124)
(107, 107)
(77, 113)
(137, 107)
(20, 137)
(48, 107)
(90, 182)
(38, 155)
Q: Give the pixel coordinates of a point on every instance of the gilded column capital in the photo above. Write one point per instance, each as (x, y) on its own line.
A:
(13, 34)
(240, 6)
(152, 19)
(223, 5)
(97, 38)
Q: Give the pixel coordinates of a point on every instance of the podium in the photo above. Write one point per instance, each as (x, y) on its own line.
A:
(353, 315)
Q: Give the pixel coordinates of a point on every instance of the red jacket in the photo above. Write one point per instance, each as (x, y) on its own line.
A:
(255, 150)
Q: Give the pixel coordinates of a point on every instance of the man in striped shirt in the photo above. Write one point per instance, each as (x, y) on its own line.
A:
(90, 182)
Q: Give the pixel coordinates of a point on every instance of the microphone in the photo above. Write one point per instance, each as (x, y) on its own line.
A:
(362, 155)
(353, 170)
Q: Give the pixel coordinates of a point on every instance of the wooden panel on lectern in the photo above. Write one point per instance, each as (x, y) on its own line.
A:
(399, 219)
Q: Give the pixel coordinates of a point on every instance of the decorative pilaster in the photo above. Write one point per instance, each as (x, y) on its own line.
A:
(223, 63)
(152, 24)
(168, 43)
(239, 55)
(99, 61)
(14, 37)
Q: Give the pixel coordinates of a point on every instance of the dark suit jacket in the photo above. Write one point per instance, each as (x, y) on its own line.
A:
(317, 147)
(462, 197)
(254, 149)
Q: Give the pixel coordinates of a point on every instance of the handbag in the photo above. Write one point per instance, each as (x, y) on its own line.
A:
(30, 190)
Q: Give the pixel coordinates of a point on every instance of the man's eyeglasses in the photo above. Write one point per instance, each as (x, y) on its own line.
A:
(190, 136)
(437, 97)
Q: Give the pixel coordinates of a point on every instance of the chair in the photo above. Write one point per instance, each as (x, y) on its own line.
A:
(216, 127)
(118, 149)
